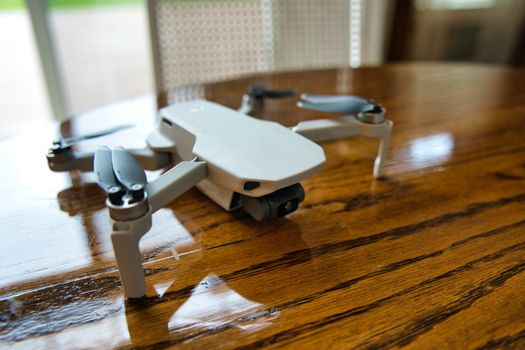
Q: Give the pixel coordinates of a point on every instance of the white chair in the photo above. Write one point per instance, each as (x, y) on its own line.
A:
(198, 42)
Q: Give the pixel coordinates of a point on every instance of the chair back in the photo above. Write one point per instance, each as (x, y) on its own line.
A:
(204, 41)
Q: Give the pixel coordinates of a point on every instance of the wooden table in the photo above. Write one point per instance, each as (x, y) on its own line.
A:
(432, 256)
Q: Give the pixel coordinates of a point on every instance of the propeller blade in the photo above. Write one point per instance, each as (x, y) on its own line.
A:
(332, 98)
(129, 172)
(75, 139)
(106, 179)
(260, 91)
(104, 168)
(278, 93)
(337, 104)
(341, 108)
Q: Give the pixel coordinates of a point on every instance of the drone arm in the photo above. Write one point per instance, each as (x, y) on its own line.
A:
(84, 161)
(326, 129)
(150, 159)
(126, 235)
(331, 129)
(175, 182)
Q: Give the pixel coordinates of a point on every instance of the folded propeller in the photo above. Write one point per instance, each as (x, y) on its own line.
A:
(366, 110)
(259, 91)
(119, 175)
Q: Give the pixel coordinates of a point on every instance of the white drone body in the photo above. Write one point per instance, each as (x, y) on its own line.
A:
(243, 155)
(236, 160)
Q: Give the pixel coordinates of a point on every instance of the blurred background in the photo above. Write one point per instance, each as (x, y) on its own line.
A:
(60, 58)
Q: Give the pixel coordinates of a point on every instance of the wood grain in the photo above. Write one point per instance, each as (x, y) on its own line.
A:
(431, 256)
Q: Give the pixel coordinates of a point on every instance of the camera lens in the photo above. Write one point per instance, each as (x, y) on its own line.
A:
(273, 205)
(287, 207)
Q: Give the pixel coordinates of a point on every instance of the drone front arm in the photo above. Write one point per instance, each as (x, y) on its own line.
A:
(70, 160)
(331, 129)
(175, 182)
(126, 234)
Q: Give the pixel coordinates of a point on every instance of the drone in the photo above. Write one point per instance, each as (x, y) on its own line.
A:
(238, 161)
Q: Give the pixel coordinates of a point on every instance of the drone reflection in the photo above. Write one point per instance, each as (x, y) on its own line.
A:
(213, 303)
(199, 295)
(211, 306)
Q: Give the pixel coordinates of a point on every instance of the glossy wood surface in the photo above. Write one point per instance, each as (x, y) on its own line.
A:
(431, 256)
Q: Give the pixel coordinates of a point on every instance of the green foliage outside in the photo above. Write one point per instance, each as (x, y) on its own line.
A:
(67, 4)
(72, 4)
(11, 4)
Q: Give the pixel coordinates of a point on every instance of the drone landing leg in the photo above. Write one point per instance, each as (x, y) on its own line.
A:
(331, 129)
(384, 145)
(125, 239)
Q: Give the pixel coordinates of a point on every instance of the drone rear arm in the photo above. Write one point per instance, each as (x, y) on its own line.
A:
(331, 129)
(66, 160)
